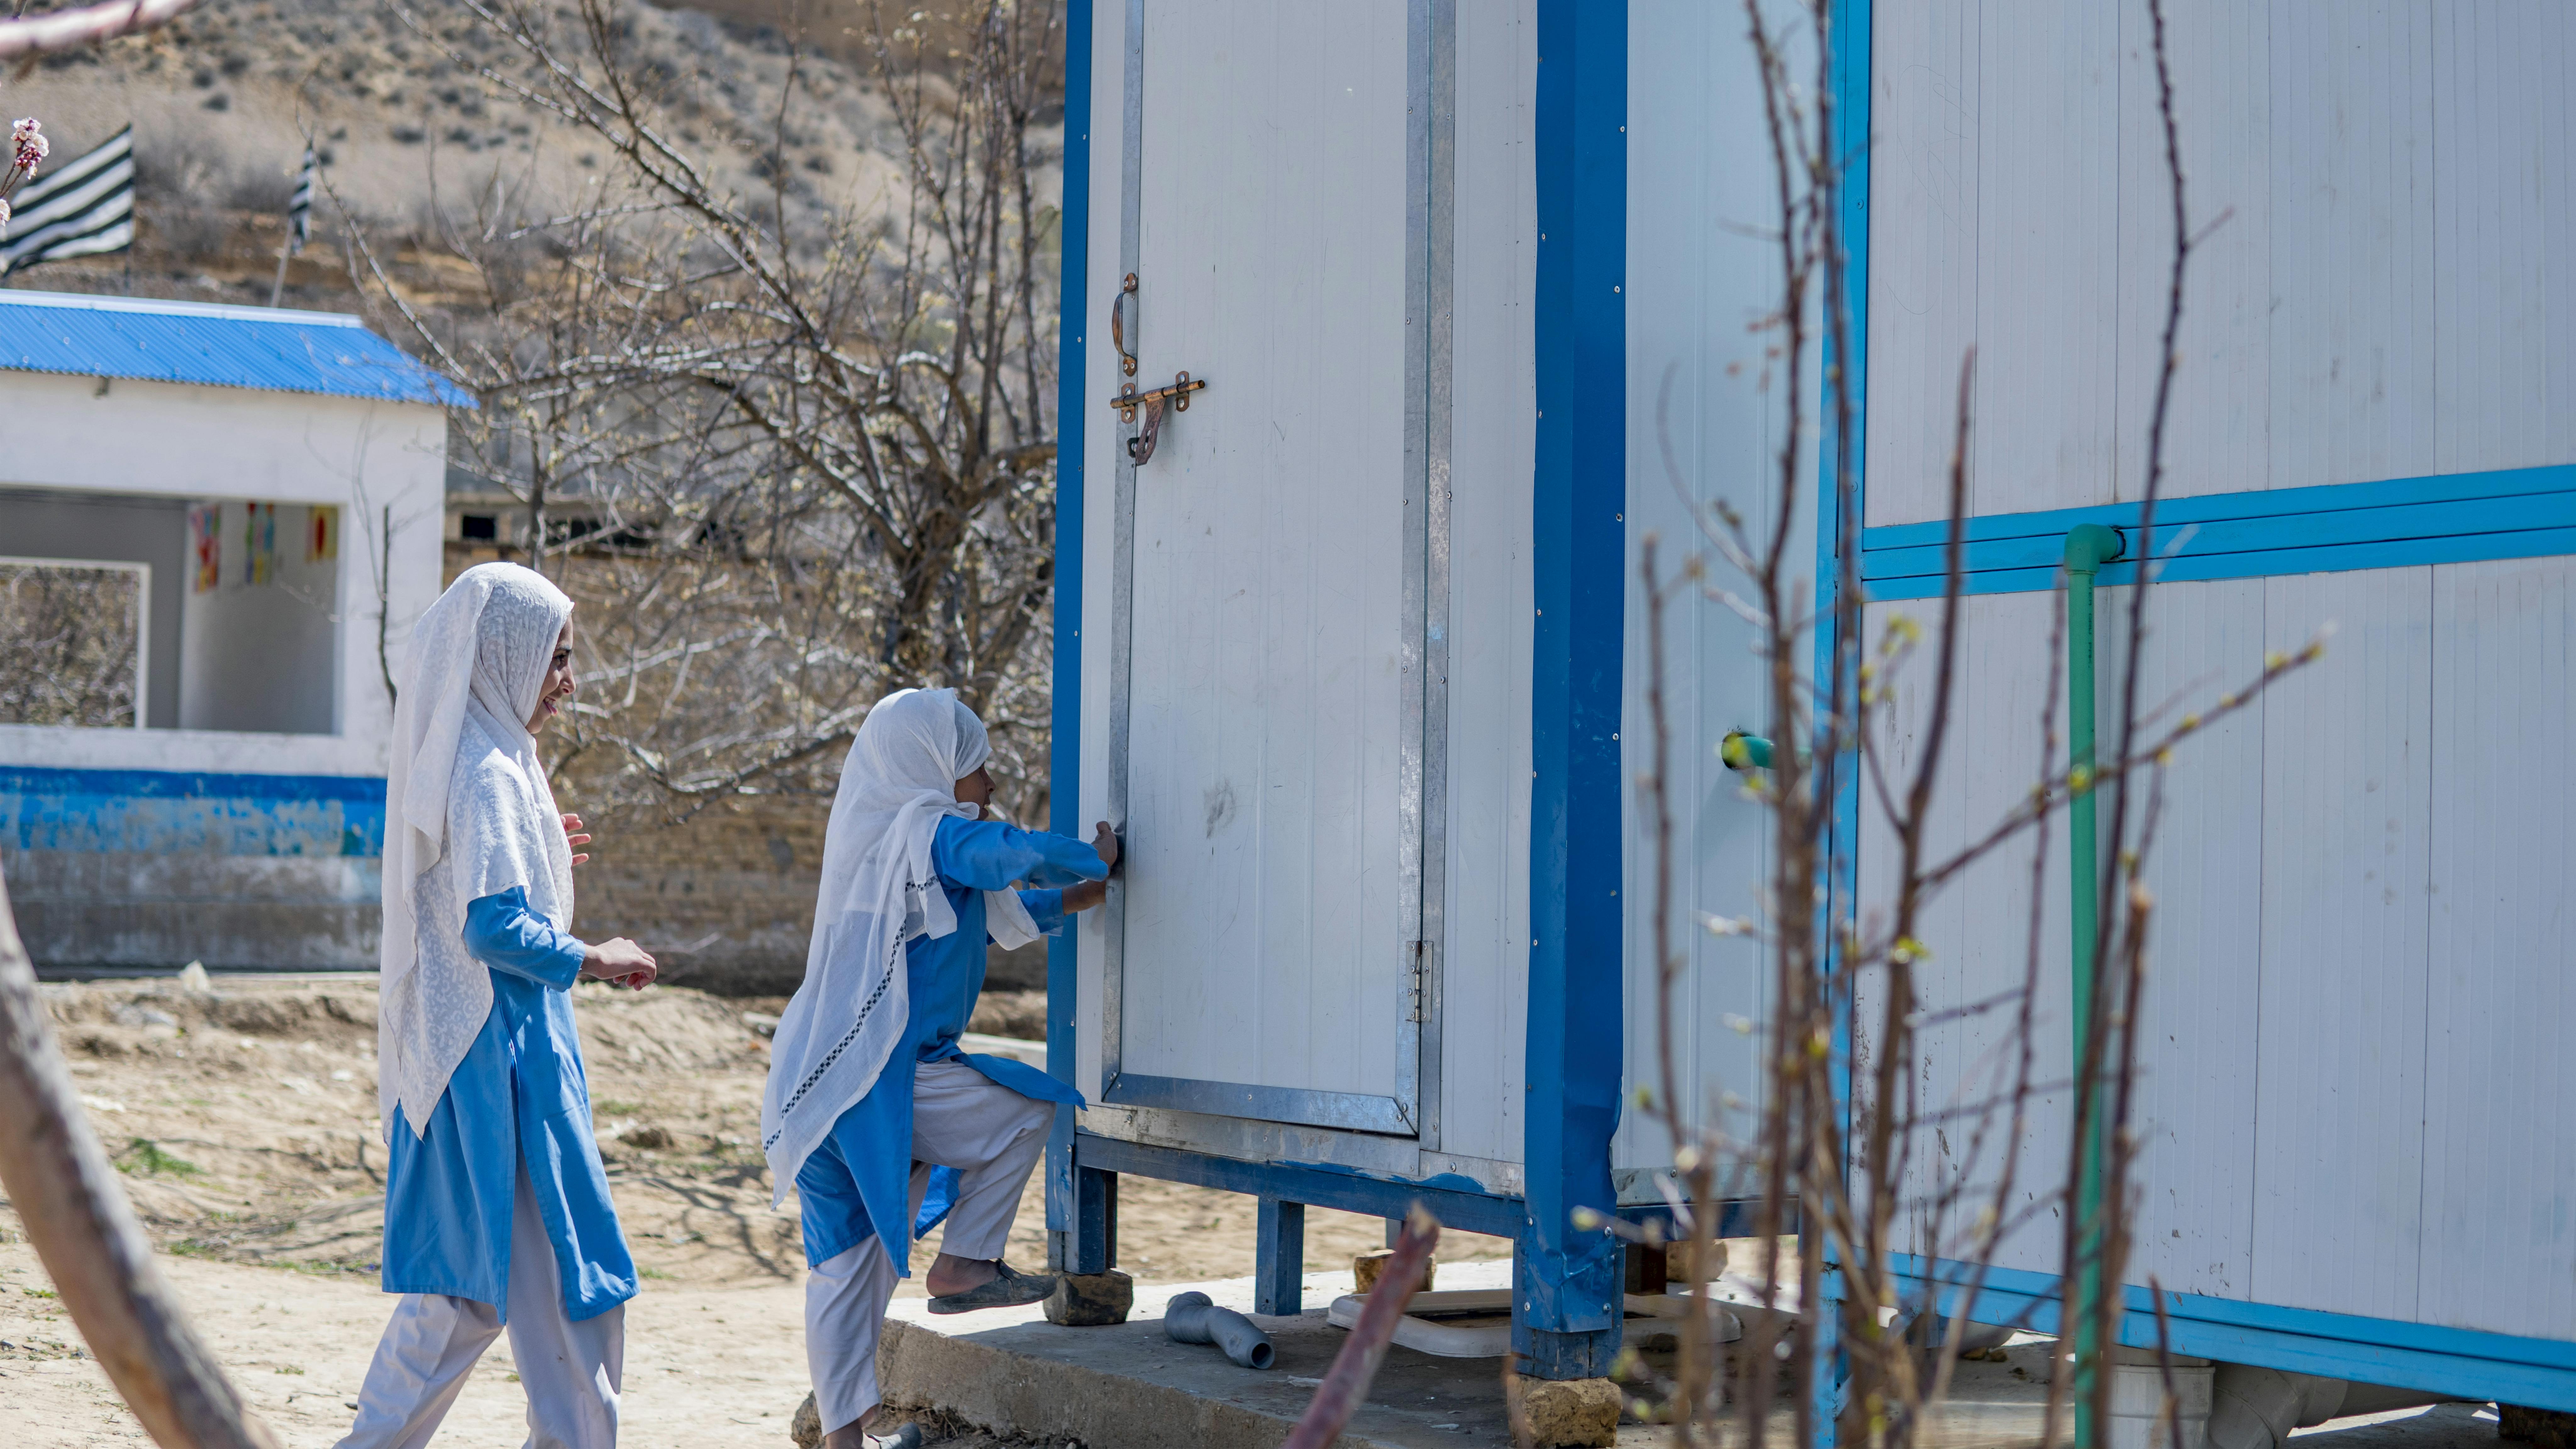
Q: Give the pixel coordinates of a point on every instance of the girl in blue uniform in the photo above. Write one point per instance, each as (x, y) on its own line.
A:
(868, 1091)
(496, 1207)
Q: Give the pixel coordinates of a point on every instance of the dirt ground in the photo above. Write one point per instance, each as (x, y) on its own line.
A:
(244, 1121)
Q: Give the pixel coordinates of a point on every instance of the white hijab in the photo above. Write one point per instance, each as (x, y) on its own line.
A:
(879, 891)
(470, 814)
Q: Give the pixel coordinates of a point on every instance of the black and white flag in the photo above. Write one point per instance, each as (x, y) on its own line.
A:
(79, 210)
(299, 211)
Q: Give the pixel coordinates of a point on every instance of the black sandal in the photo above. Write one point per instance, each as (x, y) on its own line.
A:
(1010, 1288)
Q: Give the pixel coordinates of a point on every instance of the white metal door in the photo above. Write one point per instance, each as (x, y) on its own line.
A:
(1266, 954)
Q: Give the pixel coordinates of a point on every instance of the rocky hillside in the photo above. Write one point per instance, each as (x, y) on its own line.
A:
(413, 139)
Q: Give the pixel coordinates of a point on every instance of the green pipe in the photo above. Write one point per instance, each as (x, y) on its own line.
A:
(2088, 547)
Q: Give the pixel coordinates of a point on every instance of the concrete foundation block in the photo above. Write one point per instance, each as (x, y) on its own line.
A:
(1567, 1412)
(1091, 1300)
(1368, 1266)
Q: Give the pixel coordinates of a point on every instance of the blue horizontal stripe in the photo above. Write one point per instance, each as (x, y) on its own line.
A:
(2538, 1372)
(2451, 518)
(1455, 1200)
(187, 784)
(155, 812)
(2187, 566)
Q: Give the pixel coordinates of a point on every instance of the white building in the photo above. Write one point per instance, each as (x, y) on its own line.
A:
(272, 482)
(1354, 657)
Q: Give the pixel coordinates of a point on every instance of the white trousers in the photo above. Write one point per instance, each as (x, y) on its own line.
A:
(961, 1119)
(572, 1372)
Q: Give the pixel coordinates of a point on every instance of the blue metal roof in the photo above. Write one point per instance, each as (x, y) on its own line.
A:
(192, 342)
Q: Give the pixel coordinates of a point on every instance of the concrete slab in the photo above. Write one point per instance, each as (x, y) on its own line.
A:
(1130, 1387)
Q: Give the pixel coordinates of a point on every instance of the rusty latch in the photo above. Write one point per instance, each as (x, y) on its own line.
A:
(1129, 400)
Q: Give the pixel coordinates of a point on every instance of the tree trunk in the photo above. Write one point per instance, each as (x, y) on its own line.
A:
(76, 1215)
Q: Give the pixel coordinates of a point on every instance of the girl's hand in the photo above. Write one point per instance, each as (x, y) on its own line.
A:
(572, 833)
(1105, 841)
(620, 961)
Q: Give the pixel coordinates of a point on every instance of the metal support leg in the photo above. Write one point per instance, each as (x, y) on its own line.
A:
(1588, 1296)
(1279, 1258)
(1394, 1230)
(1091, 1246)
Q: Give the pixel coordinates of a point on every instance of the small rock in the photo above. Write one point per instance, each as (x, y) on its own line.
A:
(135, 1013)
(646, 1137)
(761, 1023)
(1571, 1412)
(807, 1428)
(1090, 1300)
(1367, 1266)
(192, 978)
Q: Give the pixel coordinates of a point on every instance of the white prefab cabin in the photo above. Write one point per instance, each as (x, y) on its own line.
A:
(1408, 300)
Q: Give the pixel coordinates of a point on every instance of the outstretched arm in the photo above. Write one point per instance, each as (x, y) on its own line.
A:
(1083, 895)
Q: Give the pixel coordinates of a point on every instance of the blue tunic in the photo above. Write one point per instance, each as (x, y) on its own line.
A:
(860, 1175)
(519, 1097)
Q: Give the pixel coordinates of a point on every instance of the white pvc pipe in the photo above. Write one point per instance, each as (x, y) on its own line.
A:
(2256, 1408)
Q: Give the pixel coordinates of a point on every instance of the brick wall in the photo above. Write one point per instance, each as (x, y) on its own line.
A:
(725, 901)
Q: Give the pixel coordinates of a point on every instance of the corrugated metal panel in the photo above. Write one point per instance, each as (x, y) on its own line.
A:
(2196, 1079)
(2388, 295)
(1699, 284)
(2222, 401)
(2504, 234)
(2048, 257)
(2339, 1105)
(1485, 973)
(1923, 196)
(2500, 1164)
(1978, 932)
(311, 352)
(2352, 243)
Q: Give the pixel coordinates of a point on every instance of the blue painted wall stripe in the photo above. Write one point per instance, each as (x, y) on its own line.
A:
(2451, 518)
(2538, 1372)
(152, 812)
(1570, 1281)
(1064, 751)
(180, 784)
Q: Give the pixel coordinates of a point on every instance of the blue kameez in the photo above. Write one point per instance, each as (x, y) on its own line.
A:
(520, 1098)
(860, 1174)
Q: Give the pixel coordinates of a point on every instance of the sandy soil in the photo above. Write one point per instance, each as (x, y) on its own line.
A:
(244, 1121)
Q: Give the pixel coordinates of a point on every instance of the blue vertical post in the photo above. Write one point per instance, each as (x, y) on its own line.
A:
(1567, 1307)
(1279, 1258)
(1070, 1248)
(1838, 457)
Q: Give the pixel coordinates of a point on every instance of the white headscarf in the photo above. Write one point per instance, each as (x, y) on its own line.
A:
(469, 814)
(879, 891)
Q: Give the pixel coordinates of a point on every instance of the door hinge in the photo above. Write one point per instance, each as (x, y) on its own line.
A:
(1413, 988)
